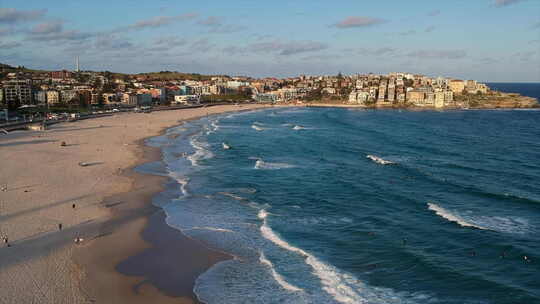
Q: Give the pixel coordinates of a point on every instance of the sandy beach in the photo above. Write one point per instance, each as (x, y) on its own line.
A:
(128, 253)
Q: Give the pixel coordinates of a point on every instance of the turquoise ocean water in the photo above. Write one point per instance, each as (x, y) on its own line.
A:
(310, 219)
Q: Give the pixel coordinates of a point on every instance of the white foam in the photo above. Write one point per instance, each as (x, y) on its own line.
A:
(182, 180)
(257, 128)
(281, 281)
(200, 152)
(211, 229)
(440, 211)
(262, 214)
(262, 165)
(341, 286)
(234, 196)
(214, 125)
(379, 160)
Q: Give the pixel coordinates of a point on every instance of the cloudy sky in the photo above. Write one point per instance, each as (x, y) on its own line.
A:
(487, 40)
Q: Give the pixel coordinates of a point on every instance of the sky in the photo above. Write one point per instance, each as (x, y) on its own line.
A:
(485, 40)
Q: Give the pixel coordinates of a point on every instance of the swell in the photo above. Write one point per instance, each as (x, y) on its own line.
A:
(452, 217)
(466, 188)
(342, 286)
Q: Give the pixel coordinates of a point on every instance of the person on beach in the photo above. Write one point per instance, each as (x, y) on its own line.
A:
(60, 226)
(73, 206)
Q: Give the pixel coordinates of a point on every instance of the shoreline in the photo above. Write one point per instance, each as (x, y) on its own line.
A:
(129, 253)
(160, 263)
(138, 270)
(112, 212)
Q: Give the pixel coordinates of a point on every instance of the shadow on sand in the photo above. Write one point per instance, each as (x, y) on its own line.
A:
(27, 142)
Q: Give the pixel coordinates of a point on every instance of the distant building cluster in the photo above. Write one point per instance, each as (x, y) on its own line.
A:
(105, 88)
(399, 89)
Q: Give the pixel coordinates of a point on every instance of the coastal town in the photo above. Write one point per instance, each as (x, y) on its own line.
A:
(76, 90)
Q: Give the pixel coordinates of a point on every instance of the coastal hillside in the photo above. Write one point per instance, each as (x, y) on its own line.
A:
(498, 100)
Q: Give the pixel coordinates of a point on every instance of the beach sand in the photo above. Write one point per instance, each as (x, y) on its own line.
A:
(129, 254)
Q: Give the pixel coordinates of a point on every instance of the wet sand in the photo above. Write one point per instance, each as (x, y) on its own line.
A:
(128, 253)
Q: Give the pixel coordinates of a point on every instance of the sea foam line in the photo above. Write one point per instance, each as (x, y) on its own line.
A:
(257, 128)
(339, 286)
(281, 281)
(260, 164)
(211, 229)
(200, 152)
(440, 211)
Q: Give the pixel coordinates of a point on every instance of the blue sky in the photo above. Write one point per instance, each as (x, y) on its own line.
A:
(487, 40)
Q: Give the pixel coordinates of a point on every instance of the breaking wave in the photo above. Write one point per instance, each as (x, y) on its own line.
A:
(342, 286)
(281, 281)
(380, 160)
(200, 152)
(440, 211)
(262, 165)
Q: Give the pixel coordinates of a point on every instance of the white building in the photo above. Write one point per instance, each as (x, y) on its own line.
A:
(186, 99)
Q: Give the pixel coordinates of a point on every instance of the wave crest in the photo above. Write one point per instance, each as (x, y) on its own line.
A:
(262, 165)
(281, 281)
(200, 152)
(342, 287)
(440, 211)
(380, 160)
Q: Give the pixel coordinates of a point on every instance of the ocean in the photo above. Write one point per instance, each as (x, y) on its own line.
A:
(531, 89)
(452, 216)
